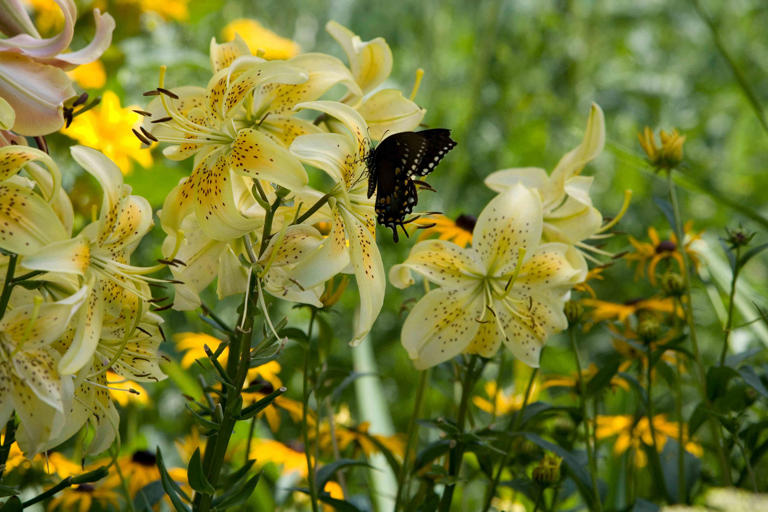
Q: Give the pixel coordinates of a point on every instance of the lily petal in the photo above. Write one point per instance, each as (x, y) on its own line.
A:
(28, 222)
(223, 54)
(350, 117)
(326, 151)
(14, 158)
(387, 112)
(369, 270)
(591, 145)
(87, 334)
(510, 223)
(255, 154)
(69, 256)
(444, 263)
(556, 265)
(327, 260)
(441, 325)
(370, 61)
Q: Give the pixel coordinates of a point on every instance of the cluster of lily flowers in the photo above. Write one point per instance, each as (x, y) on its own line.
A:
(278, 189)
(73, 306)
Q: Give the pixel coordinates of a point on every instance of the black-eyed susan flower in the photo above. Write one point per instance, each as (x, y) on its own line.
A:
(140, 469)
(666, 155)
(572, 381)
(631, 433)
(458, 231)
(648, 255)
(506, 288)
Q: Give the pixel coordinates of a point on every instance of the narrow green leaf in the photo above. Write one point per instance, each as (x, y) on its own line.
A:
(753, 379)
(197, 479)
(394, 464)
(8, 491)
(91, 476)
(754, 251)
(172, 489)
(234, 478)
(237, 495)
(325, 473)
(148, 496)
(431, 452)
(717, 380)
(254, 409)
(341, 505)
(602, 378)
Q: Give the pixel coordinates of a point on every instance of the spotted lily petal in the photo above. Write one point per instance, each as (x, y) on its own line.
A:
(443, 263)
(327, 260)
(7, 115)
(68, 256)
(14, 158)
(27, 222)
(512, 222)
(326, 151)
(88, 331)
(255, 154)
(284, 252)
(558, 266)
(531, 177)
(348, 116)
(441, 325)
(39, 421)
(370, 61)
(223, 54)
(369, 270)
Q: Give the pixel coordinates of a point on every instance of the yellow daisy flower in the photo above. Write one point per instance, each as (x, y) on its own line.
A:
(458, 231)
(650, 254)
(89, 76)
(260, 40)
(83, 497)
(630, 433)
(107, 127)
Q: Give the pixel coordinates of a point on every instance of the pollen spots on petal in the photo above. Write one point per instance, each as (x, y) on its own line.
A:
(238, 90)
(286, 96)
(216, 93)
(38, 371)
(488, 338)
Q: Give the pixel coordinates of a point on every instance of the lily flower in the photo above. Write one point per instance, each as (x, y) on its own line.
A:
(352, 239)
(508, 287)
(569, 216)
(30, 382)
(100, 256)
(371, 64)
(32, 69)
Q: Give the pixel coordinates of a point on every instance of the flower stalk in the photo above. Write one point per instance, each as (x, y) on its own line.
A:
(413, 429)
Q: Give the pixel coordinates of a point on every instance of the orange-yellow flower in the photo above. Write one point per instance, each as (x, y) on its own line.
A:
(595, 274)
(84, 497)
(604, 310)
(89, 76)
(140, 469)
(458, 231)
(668, 154)
(630, 433)
(107, 127)
(260, 39)
(651, 254)
(571, 381)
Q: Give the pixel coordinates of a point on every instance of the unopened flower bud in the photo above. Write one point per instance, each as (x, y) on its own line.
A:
(673, 285)
(648, 326)
(573, 311)
(548, 470)
(738, 237)
(668, 154)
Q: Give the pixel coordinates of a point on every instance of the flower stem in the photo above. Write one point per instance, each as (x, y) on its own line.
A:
(8, 439)
(413, 429)
(656, 461)
(304, 415)
(731, 297)
(585, 418)
(681, 494)
(8, 283)
(514, 424)
(714, 427)
(238, 364)
(457, 452)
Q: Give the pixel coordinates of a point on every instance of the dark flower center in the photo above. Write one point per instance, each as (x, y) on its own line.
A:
(466, 222)
(144, 458)
(666, 246)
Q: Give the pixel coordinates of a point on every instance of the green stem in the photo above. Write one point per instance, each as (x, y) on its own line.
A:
(231, 403)
(304, 415)
(583, 405)
(655, 458)
(731, 296)
(413, 428)
(514, 424)
(8, 439)
(750, 472)
(714, 427)
(457, 452)
(319, 204)
(8, 284)
(681, 494)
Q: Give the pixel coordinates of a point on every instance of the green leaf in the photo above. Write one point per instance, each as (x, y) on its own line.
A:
(325, 473)
(394, 464)
(7, 491)
(237, 494)
(431, 452)
(234, 478)
(602, 378)
(148, 496)
(754, 251)
(208, 424)
(341, 505)
(12, 505)
(197, 479)
(256, 408)
(523, 485)
(91, 476)
(717, 380)
(574, 465)
(352, 377)
(172, 489)
(642, 505)
(750, 377)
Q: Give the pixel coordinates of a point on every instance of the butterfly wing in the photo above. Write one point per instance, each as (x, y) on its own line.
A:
(392, 164)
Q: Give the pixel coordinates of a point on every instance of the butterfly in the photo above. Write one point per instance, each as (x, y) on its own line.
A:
(393, 164)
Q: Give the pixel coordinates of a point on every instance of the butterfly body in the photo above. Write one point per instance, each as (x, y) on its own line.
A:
(394, 163)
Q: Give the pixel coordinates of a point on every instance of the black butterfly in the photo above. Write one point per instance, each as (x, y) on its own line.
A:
(393, 163)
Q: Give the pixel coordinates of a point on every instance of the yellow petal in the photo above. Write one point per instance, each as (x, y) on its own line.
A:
(443, 263)
(388, 112)
(223, 54)
(441, 325)
(370, 61)
(591, 145)
(255, 154)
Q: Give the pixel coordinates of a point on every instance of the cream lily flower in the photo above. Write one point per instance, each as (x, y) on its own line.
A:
(371, 64)
(569, 216)
(352, 239)
(32, 70)
(100, 256)
(505, 288)
(30, 382)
